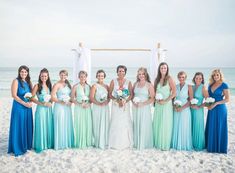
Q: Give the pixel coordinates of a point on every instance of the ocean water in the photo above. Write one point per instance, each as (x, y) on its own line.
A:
(7, 74)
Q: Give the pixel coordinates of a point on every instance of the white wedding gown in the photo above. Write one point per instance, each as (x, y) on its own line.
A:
(121, 128)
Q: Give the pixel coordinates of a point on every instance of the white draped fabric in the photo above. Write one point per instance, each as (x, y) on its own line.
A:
(82, 61)
(154, 61)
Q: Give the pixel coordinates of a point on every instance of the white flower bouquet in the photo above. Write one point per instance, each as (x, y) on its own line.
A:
(65, 98)
(136, 100)
(177, 104)
(85, 99)
(28, 96)
(47, 98)
(194, 101)
(158, 96)
(209, 101)
(103, 97)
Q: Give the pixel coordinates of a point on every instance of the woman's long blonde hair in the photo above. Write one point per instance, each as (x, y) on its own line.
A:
(211, 80)
(147, 78)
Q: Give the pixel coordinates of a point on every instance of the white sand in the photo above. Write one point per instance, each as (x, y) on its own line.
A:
(99, 161)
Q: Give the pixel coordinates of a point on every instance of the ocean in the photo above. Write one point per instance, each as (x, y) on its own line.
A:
(7, 74)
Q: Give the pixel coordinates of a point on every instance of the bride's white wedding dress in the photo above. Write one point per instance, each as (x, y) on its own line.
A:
(121, 128)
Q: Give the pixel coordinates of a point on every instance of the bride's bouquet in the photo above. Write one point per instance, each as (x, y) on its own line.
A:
(122, 94)
(46, 98)
(28, 96)
(65, 98)
(209, 101)
(194, 101)
(177, 104)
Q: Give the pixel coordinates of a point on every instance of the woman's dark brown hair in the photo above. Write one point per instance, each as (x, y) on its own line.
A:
(159, 75)
(27, 79)
(48, 82)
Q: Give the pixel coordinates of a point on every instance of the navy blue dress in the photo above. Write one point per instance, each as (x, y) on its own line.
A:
(216, 124)
(21, 125)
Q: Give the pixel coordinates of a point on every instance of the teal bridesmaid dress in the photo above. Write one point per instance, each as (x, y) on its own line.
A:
(43, 133)
(182, 129)
(198, 133)
(82, 120)
(63, 124)
(142, 119)
(100, 118)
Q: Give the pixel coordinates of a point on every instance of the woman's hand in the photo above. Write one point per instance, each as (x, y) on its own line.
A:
(212, 106)
(28, 104)
(195, 107)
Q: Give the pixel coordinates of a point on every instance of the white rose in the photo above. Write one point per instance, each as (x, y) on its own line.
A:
(47, 98)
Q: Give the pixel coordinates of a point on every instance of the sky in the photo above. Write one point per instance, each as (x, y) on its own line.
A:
(196, 33)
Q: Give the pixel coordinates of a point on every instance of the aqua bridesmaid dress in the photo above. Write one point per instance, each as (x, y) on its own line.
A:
(142, 119)
(182, 129)
(43, 132)
(63, 124)
(21, 124)
(82, 120)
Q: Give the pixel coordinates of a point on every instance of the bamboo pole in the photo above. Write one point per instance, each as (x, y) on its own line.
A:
(107, 49)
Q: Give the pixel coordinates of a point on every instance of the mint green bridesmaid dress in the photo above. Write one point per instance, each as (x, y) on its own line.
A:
(163, 120)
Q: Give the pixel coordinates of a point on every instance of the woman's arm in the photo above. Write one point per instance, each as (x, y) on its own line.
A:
(151, 95)
(34, 91)
(111, 87)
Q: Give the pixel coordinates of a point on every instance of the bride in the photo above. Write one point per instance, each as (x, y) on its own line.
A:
(121, 132)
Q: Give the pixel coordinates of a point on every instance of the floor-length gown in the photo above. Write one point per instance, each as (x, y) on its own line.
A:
(63, 123)
(121, 128)
(100, 118)
(216, 124)
(182, 129)
(21, 124)
(82, 120)
(163, 120)
(43, 123)
(198, 132)
(142, 120)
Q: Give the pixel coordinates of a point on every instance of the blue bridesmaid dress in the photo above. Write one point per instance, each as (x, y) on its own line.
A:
(216, 124)
(21, 125)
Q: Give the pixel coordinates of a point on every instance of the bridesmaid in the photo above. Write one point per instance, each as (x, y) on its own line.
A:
(63, 124)
(43, 133)
(163, 112)
(197, 111)
(100, 110)
(216, 124)
(21, 125)
(143, 98)
(182, 131)
(82, 112)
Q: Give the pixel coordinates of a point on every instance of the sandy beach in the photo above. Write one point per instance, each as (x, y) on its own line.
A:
(109, 161)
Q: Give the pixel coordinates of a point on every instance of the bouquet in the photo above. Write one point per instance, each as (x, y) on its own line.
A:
(85, 99)
(122, 93)
(65, 98)
(158, 96)
(103, 97)
(177, 104)
(28, 96)
(209, 101)
(194, 101)
(47, 98)
(136, 100)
